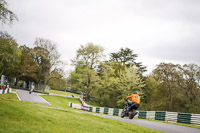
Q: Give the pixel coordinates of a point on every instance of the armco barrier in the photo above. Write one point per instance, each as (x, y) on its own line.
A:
(150, 115)
(184, 118)
(153, 115)
(106, 110)
(116, 112)
(97, 110)
(171, 116)
(142, 114)
(160, 115)
(195, 119)
(4, 91)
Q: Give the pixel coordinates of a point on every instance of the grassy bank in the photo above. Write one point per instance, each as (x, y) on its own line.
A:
(18, 116)
(63, 93)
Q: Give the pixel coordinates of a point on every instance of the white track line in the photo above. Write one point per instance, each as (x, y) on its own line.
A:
(17, 95)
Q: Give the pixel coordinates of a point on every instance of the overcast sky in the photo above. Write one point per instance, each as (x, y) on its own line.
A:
(156, 30)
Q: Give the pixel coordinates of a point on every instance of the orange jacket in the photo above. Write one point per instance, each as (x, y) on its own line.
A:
(135, 98)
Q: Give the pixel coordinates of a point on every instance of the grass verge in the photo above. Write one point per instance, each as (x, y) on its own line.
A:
(18, 116)
(63, 93)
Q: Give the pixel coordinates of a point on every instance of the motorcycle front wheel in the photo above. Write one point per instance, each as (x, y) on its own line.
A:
(123, 113)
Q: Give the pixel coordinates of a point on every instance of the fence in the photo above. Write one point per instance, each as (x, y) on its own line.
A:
(186, 118)
(5, 90)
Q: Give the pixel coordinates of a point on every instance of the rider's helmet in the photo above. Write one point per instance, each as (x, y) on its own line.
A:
(135, 92)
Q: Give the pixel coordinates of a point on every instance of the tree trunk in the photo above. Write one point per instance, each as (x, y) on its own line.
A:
(27, 85)
(2, 71)
(170, 98)
(16, 81)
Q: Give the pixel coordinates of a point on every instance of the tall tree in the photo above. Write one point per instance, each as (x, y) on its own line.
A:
(6, 14)
(168, 76)
(88, 55)
(41, 58)
(128, 58)
(84, 76)
(47, 57)
(190, 84)
(28, 70)
(9, 53)
(113, 88)
(85, 80)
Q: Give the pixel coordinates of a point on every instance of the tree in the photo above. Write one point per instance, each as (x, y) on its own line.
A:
(57, 81)
(84, 77)
(190, 84)
(168, 75)
(127, 57)
(108, 89)
(130, 80)
(155, 96)
(89, 55)
(174, 88)
(41, 58)
(9, 54)
(112, 88)
(47, 57)
(85, 80)
(28, 70)
(6, 14)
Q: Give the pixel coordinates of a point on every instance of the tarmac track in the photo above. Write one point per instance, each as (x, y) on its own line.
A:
(164, 127)
(33, 97)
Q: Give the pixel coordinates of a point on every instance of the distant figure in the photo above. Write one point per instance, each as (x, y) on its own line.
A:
(72, 95)
(31, 90)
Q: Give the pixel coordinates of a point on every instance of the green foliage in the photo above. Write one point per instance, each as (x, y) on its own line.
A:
(127, 57)
(84, 80)
(47, 58)
(10, 54)
(28, 70)
(57, 82)
(173, 88)
(110, 83)
(130, 81)
(109, 87)
(88, 55)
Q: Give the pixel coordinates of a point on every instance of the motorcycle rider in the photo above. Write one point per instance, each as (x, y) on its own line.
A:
(135, 101)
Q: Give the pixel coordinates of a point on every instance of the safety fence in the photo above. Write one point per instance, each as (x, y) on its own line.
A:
(4, 90)
(102, 110)
(175, 117)
(186, 118)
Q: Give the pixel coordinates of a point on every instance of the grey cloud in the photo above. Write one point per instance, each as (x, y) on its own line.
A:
(164, 29)
(186, 51)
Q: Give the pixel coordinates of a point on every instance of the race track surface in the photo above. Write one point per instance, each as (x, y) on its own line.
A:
(164, 127)
(33, 97)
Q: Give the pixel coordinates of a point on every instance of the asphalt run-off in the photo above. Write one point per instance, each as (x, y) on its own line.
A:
(33, 97)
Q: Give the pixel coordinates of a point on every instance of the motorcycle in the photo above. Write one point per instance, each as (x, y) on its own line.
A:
(131, 113)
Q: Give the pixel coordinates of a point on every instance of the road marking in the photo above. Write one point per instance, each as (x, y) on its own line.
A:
(18, 95)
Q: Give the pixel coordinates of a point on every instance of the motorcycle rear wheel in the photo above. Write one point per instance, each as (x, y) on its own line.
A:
(131, 116)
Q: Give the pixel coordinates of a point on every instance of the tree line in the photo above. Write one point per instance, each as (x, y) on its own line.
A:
(40, 64)
(169, 87)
